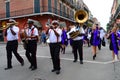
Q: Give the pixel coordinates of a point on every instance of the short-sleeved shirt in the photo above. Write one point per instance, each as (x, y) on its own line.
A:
(10, 36)
(52, 37)
(75, 29)
(32, 32)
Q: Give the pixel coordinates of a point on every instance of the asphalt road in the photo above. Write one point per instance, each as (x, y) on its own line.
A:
(101, 69)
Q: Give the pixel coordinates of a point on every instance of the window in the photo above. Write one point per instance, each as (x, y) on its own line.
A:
(37, 6)
(61, 9)
(55, 6)
(49, 5)
(7, 9)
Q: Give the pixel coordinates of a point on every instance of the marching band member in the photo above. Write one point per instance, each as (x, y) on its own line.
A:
(78, 42)
(113, 43)
(118, 34)
(55, 33)
(94, 39)
(12, 43)
(70, 41)
(31, 46)
(64, 41)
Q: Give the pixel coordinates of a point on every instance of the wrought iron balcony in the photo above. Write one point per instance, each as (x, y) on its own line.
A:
(69, 2)
(21, 12)
(43, 9)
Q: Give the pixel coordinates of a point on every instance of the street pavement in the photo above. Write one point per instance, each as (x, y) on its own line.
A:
(101, 69)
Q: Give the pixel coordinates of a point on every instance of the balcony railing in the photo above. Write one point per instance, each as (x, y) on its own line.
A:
(42, 10)
(21, 12)
(69, 2)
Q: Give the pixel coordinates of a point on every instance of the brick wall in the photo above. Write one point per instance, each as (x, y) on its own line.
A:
(21, 6)
(2, 8)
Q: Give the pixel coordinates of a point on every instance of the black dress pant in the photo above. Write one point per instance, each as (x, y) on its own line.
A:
(78, 49)
(55, 52)
(12, 46)
(31, 49)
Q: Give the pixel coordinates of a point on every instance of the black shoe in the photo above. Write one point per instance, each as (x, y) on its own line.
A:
(22, 64)
(94, 57)
(58, 72)
(30, 67)
(53, 70)
(75, 61)
(33, 68)
(81, 62)
(8, 68)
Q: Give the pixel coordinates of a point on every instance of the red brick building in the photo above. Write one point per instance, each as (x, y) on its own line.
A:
(40, 10)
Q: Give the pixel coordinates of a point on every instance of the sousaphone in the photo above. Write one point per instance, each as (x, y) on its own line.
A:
(81, 16)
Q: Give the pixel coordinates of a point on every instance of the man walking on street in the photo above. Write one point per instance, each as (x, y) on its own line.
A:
(31, 47)
(11, 34)
(55, 33)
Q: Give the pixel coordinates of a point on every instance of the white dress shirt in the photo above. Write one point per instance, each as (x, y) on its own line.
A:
(10, 36)
(75, 29)
(102, 33)
(53, 37)
(32, 32)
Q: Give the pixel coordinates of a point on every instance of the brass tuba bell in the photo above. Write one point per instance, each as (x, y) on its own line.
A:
(81, 16)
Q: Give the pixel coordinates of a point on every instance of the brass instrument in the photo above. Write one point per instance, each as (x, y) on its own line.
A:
(23, 38)
(74, 34)
(8, 25)
(81, 16)
(22, 34)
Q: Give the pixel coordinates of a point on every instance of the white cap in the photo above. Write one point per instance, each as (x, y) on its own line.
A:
(12, 20)
(55, 21)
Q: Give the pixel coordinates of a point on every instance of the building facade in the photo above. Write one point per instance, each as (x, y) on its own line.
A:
(115, 14)
(40, 10)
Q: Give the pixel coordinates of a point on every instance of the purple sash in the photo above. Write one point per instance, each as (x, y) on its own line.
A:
(64, 37)
(119, 37)
(114, 44)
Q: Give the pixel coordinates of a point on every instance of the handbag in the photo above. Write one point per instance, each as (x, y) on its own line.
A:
(103, 42)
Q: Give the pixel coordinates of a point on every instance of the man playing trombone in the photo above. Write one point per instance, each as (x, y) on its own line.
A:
(11, 34)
